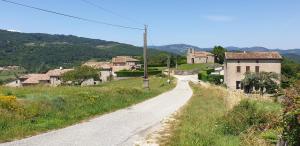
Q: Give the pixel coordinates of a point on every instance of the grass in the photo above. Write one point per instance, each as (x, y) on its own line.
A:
(196, 123)
(31, 110)
(206, 121)
(197, 67)
(6, 76)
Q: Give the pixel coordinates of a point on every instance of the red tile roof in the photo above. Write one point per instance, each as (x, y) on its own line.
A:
(57, 72)
(202, 54)
(36, 78)
(98, 65)
(252, 55)
(123, 59)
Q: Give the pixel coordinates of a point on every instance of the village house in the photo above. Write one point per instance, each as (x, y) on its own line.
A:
(52, 78)
(196, 57)
(124, 63)
(104, 67)
(34, 79)
(55, 75)
(236, 64)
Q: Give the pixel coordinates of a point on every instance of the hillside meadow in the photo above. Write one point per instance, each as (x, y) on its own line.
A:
(207, 120)
(31, 110)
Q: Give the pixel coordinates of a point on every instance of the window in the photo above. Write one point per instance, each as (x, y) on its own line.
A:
(238, 84)
(238, 69)
(257, 61)
(247, 68)
(257, 69)
(239, 61)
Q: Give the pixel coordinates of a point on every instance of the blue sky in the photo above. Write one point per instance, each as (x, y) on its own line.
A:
(205, 23)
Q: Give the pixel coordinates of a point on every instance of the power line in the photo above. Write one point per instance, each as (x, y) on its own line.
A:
(71, 16)
(108, 11)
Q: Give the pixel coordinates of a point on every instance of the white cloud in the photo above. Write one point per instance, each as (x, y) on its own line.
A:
(13, 30)
(219, 18)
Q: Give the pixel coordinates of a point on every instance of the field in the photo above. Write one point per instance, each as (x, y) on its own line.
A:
(9, 75)
(197, 67)
(32, 110)
(206, 121)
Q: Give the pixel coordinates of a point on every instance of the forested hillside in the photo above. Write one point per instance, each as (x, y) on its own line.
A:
(38, 52)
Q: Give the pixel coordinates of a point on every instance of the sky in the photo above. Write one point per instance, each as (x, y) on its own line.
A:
(204, 23)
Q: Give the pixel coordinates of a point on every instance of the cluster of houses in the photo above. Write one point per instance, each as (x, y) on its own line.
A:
(53, 77)
(236, 64)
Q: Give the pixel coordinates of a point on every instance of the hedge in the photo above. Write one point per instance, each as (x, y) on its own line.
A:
(216, 79)
(203, 76)
(136, 73)
(209, 71)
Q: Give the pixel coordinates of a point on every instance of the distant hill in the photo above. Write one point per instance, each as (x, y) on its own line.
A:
(182, 49)
(39, 52)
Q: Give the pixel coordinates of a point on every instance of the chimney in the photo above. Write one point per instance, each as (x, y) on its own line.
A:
(244, 52)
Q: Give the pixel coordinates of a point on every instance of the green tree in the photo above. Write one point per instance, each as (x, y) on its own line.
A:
(263, 81)
(219, 53)
(81, 74)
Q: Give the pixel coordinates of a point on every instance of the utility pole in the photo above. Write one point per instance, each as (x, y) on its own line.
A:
(169, 69)
(176, 62)
(146, 80)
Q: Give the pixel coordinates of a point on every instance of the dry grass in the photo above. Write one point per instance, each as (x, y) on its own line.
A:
(214, 109)
(195, 124)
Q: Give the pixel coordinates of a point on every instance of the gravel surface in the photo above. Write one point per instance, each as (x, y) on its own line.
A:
(123, 127)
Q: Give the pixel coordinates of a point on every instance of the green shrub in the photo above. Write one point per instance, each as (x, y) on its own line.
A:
(203, 76)
(215, 79)
(250, 113)
(126, 73)
(80, 74)
(209, 71)
(270, 135)
(291, 115)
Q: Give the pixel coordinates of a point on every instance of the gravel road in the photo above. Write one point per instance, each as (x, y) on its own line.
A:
(123, 127)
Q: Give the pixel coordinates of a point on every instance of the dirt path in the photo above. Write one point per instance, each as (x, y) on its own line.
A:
(123, 127)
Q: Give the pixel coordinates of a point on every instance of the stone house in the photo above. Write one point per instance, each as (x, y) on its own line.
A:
(34, 79)
(55, 75)
(124, 63)
(52, 78)
(105, 69)
(196, 57)
(236, 64)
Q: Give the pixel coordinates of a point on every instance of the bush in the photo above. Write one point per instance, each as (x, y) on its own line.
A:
(250, 113)
(80, 74)
(126, 73)
(216, 79)
(291, 116)
(209, 71)
(203, 76)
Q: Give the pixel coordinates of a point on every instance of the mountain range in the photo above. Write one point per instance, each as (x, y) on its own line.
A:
(181, 49)
(38, 52)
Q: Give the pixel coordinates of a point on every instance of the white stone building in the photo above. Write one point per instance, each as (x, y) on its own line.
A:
(196, 57)
(237, 64)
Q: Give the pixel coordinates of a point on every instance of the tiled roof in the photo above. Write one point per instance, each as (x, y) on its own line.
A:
(202, 54)
(98, 65)
(252, 55)
(57, 72)
(123, 59)
(36, 78)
